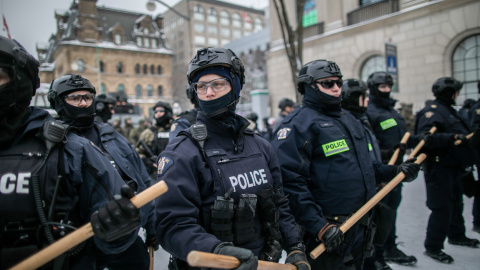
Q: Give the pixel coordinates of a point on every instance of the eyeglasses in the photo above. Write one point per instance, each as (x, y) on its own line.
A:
(327, 84)
(159, 110)
(77, 99)
(216, 85)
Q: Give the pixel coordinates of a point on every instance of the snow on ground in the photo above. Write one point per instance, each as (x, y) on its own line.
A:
(411, 229)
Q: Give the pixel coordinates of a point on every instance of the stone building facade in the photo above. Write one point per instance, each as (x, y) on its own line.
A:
(120, 52)
(433, 39)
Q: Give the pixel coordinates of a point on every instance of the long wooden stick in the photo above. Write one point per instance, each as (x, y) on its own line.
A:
(421, 144)
(211, 260)
(458, 142)
(367, 207)
(150, 252)
(83, 233)
(394, 157)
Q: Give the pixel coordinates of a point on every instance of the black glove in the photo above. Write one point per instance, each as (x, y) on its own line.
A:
(118, 218)
(409, 168)
(331, 235)
(427, 137)
(248, 261)
(401, 146)
(462, 138)
(296, 256)
(151, 241)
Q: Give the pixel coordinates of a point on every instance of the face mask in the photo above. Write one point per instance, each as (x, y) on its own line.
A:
(211, 106)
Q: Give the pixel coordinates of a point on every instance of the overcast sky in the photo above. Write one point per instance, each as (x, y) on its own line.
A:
(32, 21)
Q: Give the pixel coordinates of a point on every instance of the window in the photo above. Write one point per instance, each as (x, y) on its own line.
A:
(224, 18)
(138, 90)
(159, 69)
(152, 69)
(212, 30)
(373, 64)
(103, 88)
(225, 32)
(119, 67)
(118, 39)
(160, 90)
(137, 69)
(258, 24)
(145, 69)
(213, 41)
(146, 31)
(154, 43)
(237, 34)
(225, 41)
(101, 66)
(367, 2)
(236, 20)
(121, 88)
(199, 40)
(139, 42)
(149, 90)
(466, 67)
(212, 15)
(146, 41)
(198, 13)
(247, 21)
(199, 28)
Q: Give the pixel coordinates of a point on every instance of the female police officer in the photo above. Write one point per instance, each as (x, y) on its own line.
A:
(225, 190)
(52, 182)
(72, 97)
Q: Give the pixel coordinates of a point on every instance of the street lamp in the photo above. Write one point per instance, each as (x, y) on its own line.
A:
(79, 65)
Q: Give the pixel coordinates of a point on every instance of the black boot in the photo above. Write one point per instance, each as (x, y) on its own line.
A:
(397, 256)
(465, 241)
(439, 256)
(382, 265)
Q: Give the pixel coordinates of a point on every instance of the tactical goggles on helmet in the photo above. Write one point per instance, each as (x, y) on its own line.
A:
(75, 99)
(216, 85)
(327, 84)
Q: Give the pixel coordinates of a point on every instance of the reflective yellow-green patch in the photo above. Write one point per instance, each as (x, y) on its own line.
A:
(388, 123)
(335, 147)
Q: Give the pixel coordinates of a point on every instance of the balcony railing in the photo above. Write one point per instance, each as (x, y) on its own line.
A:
(313, 30)
(371, 11)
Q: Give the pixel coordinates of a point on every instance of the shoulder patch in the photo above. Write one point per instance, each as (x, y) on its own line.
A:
(433, 106)
(283, 133)
(163, 164)
(429, 114)
(477, 111)
(173, 127)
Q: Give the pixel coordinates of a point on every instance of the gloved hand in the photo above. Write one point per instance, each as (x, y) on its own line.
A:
(464, 141)
(246, 256)
(296, 256)
(151, 241)
(118, 218)
(331, 235)
(427, 137)
(409, 168)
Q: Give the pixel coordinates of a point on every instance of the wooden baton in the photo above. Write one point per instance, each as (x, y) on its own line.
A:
(211, 260)
(367, 207)
(83, 233)
(458, 142)
(394, 157)
(420, 144)
(150, 253)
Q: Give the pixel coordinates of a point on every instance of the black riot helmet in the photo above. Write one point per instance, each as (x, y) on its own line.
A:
(102, 109)
(164, 120)
(61, 87)
(22, 70)
(315, 70)
(286, 102)
(352, 89)
(444, 88)
(377, 78)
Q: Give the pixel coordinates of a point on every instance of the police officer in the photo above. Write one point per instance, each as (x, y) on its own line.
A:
(53, 181)
(155, 139)
(104, 108)
(286, 106)
(72, 97)
(326, 168)
(224, 181)
(187, 118)
(474, 116)
(389, 127)
(444, 167)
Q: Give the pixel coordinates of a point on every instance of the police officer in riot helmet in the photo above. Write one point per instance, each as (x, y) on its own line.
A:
(187, 118)
(72, 96)
(448, 153)
(317, 145)
(225, 187)
(286, 106)
(104, 108)
(32, 215)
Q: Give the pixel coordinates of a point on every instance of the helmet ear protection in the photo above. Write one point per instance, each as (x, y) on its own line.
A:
(99, 106)
(51, 96)
(303, 80)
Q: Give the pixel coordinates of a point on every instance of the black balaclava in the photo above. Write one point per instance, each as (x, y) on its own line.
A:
(447, 96)
(328, 104)
(81, 118)
(164, 120)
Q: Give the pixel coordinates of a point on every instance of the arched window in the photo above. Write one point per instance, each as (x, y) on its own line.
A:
(149, 90)
(118, 39)
(101, 66)
(224, 17)
(247, 21)
(138, 90)
(466, 67)
(121, 88)
(137, 69)
(103, 88)
(212, 15)
(236, 20)
(198, 13)
(159, 70)
(119, 67)
(160, 90)
(139, 42)
(373, 64)
(145, 69)
(152, 69)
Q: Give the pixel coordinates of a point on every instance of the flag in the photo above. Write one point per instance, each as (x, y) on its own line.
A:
(245, 17)
(6, 27)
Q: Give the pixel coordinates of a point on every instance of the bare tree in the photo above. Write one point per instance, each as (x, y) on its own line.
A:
(292, 39)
